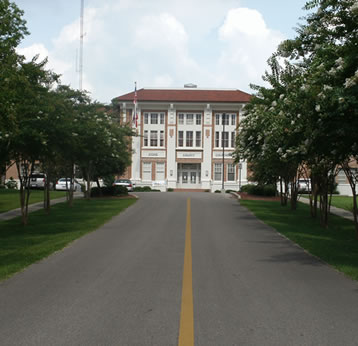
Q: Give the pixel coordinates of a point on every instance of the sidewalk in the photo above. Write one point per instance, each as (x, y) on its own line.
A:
(336, 211)
(33, 207)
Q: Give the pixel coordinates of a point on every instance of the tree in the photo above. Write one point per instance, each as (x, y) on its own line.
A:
(12, 30)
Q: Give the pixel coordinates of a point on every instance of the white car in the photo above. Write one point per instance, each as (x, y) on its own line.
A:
(64, 184)
(124, 182)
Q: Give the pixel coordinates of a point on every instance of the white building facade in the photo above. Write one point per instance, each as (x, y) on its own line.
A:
(185, 138)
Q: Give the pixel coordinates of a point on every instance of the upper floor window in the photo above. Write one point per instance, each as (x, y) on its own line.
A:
(145, 139)
(233, 139)
(198, 139)
(190, 119)
(189, 138)
(146, 116)
(161, 138)
(217, 139)
(225, 119)
(180, 138)
(233, 119)
(153, 138)
(162, 118)
(225, 139)
(217, 119)
(198, 119)
(181, 119)
(154, 118)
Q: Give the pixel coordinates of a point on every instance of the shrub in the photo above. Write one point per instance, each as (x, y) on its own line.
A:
(259, 190)
(106, 191)
(217, 191)
(2, 186)
(228, 191)
(142, 189)
(170, 189)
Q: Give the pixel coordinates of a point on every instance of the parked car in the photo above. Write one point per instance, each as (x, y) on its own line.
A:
(304, 186)
(37, 180)
(124, 182)
(64, 184)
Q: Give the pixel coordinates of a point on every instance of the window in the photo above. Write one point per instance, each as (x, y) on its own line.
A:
(217, 139)
(233, 119)
(189, 138)
(154, 118)
(225, 139)
(198, 139)
(160, 171)
(161, 138)
(145, 142)
(341, 177)
(181, 119)
(146, 116)
(230, 172)
(147, 171)
(233, 139)
(198, 119)
(153, 138)
(225, 119)
(190, 119)
(162, 118)
(180, 138)
(217, 119)
(217, 171)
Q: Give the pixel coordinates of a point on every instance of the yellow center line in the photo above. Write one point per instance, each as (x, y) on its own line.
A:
(186, 330)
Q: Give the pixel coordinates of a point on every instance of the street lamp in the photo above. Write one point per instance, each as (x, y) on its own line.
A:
(222, 140)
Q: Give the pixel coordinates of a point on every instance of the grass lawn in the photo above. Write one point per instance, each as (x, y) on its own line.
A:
(21, 246)
(336, 245)
(343, 202)
(10, 199)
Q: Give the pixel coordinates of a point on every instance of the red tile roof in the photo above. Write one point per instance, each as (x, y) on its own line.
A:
(187, 95)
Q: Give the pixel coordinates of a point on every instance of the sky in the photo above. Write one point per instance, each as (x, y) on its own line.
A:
(158, 43)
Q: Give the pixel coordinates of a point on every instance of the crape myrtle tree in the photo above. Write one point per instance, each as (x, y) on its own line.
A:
(271, 136)
(316, 111)
(12, 31)
(103, 144)
(28, 137)
(328, 46)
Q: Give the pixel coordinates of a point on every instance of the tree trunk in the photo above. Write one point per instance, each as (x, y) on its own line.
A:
(294, 195)
(352, 179)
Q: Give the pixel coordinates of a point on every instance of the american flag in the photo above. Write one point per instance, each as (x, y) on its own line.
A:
(135, 113)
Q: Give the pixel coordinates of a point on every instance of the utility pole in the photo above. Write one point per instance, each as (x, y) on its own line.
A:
(81, 46)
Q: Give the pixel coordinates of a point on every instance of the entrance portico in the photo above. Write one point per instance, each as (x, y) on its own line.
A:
(189, 175)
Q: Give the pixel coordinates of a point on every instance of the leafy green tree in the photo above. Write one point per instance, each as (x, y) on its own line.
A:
(12, 31)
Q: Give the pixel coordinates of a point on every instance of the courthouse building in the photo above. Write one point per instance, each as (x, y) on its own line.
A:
(186, 137)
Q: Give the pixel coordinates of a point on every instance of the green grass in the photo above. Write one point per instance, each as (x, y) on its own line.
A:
(343, 202)
(336, 245)
(10, 199)
(21, 246)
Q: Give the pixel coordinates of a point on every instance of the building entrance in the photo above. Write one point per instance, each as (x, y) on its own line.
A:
(189, 175)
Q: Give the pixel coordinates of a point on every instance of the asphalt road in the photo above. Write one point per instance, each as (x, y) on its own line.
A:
(122, 284)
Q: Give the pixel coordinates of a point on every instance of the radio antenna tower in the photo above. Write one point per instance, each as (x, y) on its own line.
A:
(80, 70)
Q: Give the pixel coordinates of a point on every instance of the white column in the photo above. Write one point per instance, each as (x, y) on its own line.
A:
(171, 148)
(136, 140)
(207, 149)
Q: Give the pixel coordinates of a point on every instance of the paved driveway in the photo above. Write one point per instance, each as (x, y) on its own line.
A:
(122, 285)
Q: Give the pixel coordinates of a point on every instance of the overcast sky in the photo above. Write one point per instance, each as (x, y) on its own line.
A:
(159, 43)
